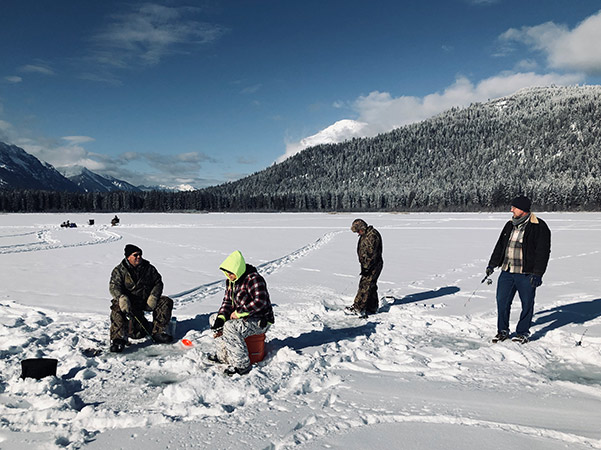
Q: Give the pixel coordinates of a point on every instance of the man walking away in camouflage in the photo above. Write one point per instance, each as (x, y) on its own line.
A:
(369, 251)
(136, 286)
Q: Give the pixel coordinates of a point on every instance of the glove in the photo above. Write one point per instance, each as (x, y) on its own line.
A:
(152, 302)
(489, 271)
(124, 304)
(218, 324)
(536, 280)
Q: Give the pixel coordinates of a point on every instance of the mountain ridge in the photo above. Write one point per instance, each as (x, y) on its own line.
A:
(542, 141)
(20, 170)
(90, 181)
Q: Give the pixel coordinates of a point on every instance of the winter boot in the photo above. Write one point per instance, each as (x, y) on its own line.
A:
(236, 370)
(500, 337)
(520, 339)
(117, 345)
(162, 338)
(352, 311)
(212, 357)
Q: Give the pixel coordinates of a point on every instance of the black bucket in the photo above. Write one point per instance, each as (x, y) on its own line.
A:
(38, 368)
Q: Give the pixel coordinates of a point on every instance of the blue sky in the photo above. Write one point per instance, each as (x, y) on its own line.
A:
(199, 93)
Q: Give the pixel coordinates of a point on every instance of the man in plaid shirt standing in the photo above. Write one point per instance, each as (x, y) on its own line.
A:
(245, 311)
(522, 252)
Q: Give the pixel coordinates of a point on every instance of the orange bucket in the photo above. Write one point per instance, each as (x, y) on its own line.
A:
(256, 347)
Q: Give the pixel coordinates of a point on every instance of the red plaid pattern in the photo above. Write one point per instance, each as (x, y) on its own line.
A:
(247, 295)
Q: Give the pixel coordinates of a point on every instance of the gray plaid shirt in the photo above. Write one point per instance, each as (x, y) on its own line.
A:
(514, 257)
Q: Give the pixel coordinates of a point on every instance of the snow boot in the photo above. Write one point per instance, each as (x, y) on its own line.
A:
(117, 346)
(500, 337)
(236, 370)
(352, 311)
(212, 357)
(162, 338)
(520, 339)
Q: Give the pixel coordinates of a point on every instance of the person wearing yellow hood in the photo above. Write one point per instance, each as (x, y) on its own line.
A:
(245, 311)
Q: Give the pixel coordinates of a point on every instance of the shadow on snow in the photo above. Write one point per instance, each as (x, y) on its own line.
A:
(420, 297)
(560, 316)
(316, 338)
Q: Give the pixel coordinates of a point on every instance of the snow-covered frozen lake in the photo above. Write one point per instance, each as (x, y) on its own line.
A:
(421, 374)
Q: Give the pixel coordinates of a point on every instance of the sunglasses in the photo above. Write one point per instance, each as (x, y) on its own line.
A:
(136, 255)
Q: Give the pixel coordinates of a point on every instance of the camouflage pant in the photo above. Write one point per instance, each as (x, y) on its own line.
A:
(231, 348)
(121, 328)
(367, 294)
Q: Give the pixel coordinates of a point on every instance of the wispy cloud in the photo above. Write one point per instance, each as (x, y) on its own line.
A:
(146, 34)
(170, 170)
(246, 160)
(134, 167)
(380, 112)
(13, 79)
(75, 140)
(251, 89)
(42, 69)
(483, 2)
(6, 130)
(577, 49)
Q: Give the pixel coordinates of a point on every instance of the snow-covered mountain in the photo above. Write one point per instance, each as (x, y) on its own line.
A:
(20, 170)
(162, 187)
(89, 181)
(335, 133)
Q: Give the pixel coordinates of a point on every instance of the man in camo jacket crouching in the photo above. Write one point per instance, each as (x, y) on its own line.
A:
(136, 286)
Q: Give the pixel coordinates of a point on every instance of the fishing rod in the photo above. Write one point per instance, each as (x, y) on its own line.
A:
(485, 279)
(579, 343)
(142, 325)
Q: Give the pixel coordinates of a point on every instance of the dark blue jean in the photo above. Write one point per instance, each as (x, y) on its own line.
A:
(507, 285)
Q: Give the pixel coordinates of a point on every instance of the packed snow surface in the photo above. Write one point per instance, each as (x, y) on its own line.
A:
(420, 374)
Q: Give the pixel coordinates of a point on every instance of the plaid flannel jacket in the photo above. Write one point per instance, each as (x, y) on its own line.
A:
(514, 256)
(248, 296)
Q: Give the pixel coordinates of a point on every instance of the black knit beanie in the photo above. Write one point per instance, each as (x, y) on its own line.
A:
(522, 203)
(131, 248)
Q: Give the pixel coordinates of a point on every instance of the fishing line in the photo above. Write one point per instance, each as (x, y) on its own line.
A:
(579, 343)
(485, 279)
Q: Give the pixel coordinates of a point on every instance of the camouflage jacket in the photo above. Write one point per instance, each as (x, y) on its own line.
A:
(369, 249)
(137, 283)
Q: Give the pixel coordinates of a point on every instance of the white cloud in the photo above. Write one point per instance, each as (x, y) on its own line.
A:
(6, 130)
(144, 36)
(13, 79)
(526, 65)
(74, 140)
(483, 2)
(251, 89)
(134, 167)
(338, 132)
(57, 155)
(576, 50)
(37, 68)
(380, 112)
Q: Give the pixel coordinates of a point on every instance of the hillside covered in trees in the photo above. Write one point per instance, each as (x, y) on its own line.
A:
(543, 142)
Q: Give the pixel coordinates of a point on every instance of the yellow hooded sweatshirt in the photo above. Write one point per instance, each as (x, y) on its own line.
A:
(235, 264)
